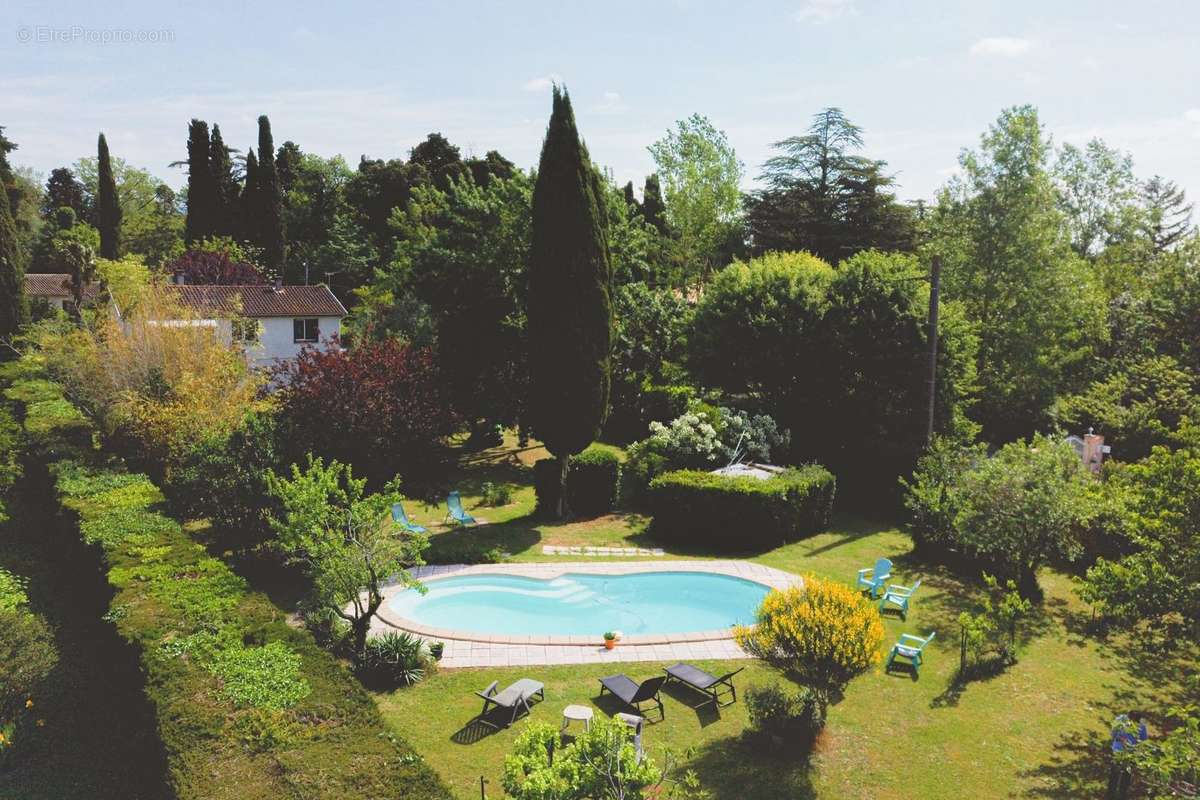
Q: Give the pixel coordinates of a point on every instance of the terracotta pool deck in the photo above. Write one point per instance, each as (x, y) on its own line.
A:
(469, 649)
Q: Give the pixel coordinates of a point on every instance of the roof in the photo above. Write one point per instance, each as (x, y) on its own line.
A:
(261, 301)
(55, 284)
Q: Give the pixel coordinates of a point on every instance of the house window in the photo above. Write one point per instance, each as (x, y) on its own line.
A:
(305, 330)
(246, 331)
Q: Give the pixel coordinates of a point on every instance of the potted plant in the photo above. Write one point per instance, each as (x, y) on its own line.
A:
(610, 640)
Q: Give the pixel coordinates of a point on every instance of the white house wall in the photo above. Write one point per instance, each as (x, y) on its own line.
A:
(275, 339)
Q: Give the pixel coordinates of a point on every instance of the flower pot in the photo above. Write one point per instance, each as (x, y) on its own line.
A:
(609, 644)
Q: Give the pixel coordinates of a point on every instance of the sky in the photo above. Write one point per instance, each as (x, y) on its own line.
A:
(924, 79)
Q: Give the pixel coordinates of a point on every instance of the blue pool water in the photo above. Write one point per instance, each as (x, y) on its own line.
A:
(586, 605)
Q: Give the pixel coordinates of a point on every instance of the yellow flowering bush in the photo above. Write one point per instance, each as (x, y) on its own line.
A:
(822, 633)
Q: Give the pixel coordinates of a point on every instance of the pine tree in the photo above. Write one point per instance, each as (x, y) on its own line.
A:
(570, 284)
(270, 202)
(201, 188)
(653, 209)
(225, 187)
(1168, 213)
(108, 204)
(14, 307)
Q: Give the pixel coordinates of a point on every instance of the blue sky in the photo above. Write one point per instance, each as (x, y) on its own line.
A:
(924, 79)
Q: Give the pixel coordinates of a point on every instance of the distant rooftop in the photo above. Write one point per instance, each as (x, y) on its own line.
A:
(261, 301)
(55, 284)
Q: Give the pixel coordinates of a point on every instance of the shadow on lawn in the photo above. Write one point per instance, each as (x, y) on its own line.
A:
(736, 768)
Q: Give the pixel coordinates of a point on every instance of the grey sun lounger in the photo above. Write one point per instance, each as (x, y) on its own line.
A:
(705, 682)
(514, 698)
(633, 694)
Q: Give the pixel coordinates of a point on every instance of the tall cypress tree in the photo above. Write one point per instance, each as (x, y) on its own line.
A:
(108, 205)
(270, 202)
(225, 188)
(201, 188)
(570, 304)
(248, 202)
(14, 306)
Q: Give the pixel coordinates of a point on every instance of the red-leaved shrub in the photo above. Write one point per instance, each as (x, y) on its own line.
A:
(377, 407)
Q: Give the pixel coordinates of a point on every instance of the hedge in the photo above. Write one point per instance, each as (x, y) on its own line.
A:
(593, 482)
(246, 705)
(719, 512)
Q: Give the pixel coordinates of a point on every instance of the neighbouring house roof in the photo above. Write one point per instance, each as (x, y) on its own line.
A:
(261, 301)
(56, 284)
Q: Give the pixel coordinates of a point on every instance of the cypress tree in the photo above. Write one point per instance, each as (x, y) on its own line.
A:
(653, 208)
(225, 188)
(249, 200)
(201, 188)
(14, 306)
(570, 305)
(108, 205)
(270, 202)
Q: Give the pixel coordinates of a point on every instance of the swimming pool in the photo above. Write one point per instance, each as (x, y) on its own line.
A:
(583, 604)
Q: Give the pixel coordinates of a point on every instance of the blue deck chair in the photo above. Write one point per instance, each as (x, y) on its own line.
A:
(898, 596)
(401, 519)
(871, 579)
(455, 510)
(909, 647)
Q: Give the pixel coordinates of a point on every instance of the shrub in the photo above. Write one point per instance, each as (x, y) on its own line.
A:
(717, 511)
(396, 658)
(28, 655)
(497, 494)
(989, 636)
(601, 762)
(793, 716)
(266, 677)
(391, 416)
(221, 478)
(593, 482)
(822, 633)
(12, 591)
(702, 438)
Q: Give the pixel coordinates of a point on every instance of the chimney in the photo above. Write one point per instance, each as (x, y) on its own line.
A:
(279, 286)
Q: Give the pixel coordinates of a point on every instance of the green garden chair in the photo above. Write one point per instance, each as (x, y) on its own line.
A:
(401, 519)
(899, 596)
(456, 512)
(909, 647)
(872, 579)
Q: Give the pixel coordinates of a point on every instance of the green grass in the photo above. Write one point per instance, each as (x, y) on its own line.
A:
(1037, 730)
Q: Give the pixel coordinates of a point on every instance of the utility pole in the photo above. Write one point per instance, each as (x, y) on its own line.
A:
(935, 285)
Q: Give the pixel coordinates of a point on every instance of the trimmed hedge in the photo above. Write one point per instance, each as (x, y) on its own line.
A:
(246, 705)
(714, 511)
(593, 482)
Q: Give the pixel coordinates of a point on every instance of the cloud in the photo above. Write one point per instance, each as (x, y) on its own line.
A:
(543, 83)
(1192, 115)
(1002, 46)
(822, 11)
(610, 103)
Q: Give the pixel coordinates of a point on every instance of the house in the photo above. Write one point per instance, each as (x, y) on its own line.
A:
(269, 322)
(55, 289)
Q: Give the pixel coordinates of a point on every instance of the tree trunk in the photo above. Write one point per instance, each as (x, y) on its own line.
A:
(360, 627)
(564, 464)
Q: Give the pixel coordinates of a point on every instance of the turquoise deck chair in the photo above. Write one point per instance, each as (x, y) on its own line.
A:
(401, 519)
(872, 579)
(899, 596)
(909, 647)
(455, 510)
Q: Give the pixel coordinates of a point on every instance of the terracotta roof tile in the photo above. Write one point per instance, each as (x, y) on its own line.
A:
(55, 284)
(261, 301)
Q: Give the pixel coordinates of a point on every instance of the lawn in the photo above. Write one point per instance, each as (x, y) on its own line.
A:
(1037, 730)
